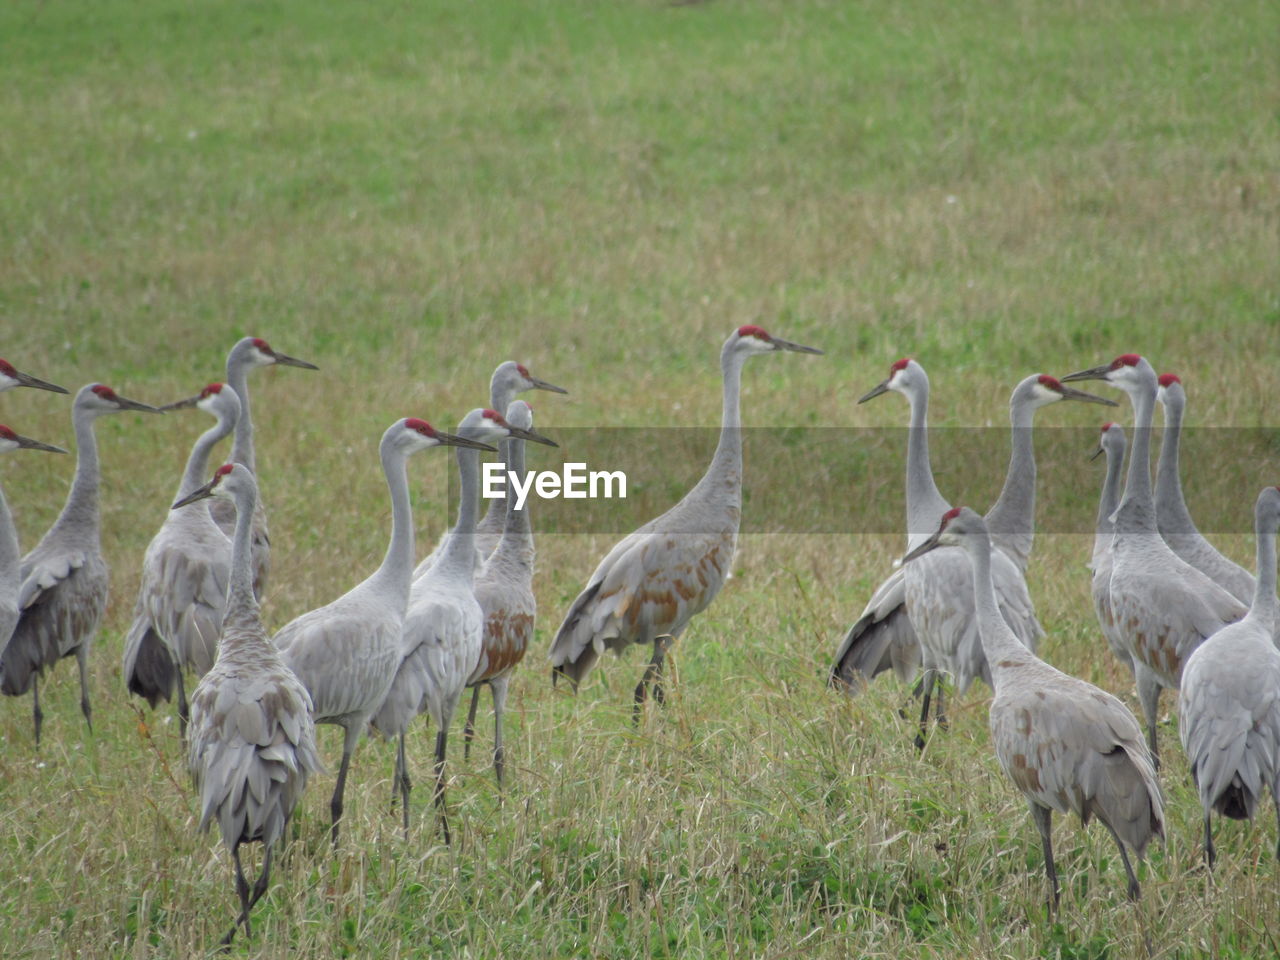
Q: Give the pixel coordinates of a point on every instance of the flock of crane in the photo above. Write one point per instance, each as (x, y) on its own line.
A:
(409, 640)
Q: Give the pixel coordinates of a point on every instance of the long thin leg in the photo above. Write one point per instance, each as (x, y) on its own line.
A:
(499, 686)
(652, 677)
(82, 660)
(1134, 890)
(928, 681)
(1210, 854)
(351, 735)
(401, 784)
(184, 711)
(1275, 797)
(37, 715)
(939, 711)
(242, 891)
(469, 730)
(1042, 816)
(441, 739)
(1149, 697)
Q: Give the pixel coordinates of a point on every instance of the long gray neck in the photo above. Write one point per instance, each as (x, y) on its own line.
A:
(925, 505)
(1137, 507)
(500, 396)
(1265, 607)
(459, 552)
(998, 642)
(10, 553)
(518, 531)
(242, 607)
(1171, 508)
(1110, 490)
(198, 462)
(1014, 511)
(724, 475)
(397, 564)
(81, 509)
(242, 445)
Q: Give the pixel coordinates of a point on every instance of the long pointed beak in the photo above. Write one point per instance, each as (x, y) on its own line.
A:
(522, 434)
(29, 381)
(1070, 393)
(780, 344)
(1093, 373)
(27, 443)
(285, 360)
(182, 404)
(126, 404)
(198, 494)
(1097, 453)
(550, 387)
(882, 387)
(453, 440)
(931, 544)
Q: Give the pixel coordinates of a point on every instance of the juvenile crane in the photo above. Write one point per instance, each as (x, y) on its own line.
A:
(347, 651)
(1163, 607)
(442, 627)
(1113, 445)
(1229, 702)
(509, 379)
(10, 577)
(11, 377)
(64, 579)
(178, 615)
(253, 742)
(249, 354)
(654, 581)
(1172, 516)
(1067, 745)
(504, 590)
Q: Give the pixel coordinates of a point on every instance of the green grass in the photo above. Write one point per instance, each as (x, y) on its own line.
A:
(406, 194)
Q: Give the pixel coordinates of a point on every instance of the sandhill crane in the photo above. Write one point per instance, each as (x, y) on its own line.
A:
(509, 379)
(347, 651)
(1173, 519)
(504, 590)
(253, 742)
(248, 354)
(654, 581)
(10, 576)
(1113, 445)
(1229, 702)
(178, 614)
(1067, 745)
(443, 627)
(10, 377)
(935, 593)
(1163, 607)
(64, 579)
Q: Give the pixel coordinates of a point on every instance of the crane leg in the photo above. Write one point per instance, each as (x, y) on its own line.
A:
(927, 683)
(499, 687)
(242, 891)
(1134, 890)
(469, 728)
(939, 711)
(350, 735)
(1042, 816)
(37, 715)
(652, 677)
(400, 783)
(184, 711)
(1210, 855)
(441, 739)
(1149, 697)
(82, 661)
(1275, 797)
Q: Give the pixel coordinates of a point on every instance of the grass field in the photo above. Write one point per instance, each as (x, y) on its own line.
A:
(406, 194)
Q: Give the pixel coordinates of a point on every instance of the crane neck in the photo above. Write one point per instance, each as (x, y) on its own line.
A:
(1265, 605)
(10, 552)
(81, 509)
(459, 553)
(1136, 506)
(1014, 512)
(1110, 489)
(925, 505)
(1171, 506)
(517, 532)
(242, 446)
(501, 393)
(242, 615)
(197, 468)
(999, 644)
(397, 564)
(724, 474)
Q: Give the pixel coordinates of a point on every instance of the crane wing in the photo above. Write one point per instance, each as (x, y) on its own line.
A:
(881, 638)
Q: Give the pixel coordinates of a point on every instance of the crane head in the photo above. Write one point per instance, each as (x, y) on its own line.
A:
(10, 440)
(904, 374)
(957, 524)
(1110, 440)
(490, 426)
(1125, 371)
(411, 434)
(1170, 390)
(227, 479)
(755, 339)
(1044, 389)
(98, 399)
(256, 352)
(11, 377)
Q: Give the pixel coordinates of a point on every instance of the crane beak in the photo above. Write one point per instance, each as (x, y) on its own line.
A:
(26, 443)
(29, 381)
(181, 404)
(198, 494)
(126, 404)
(1070, 393)
(453, 440)
(882, 387)
(549, 387)
(522, 434)
(932, 543)
(780, 344)
(285, 360)
(1097, 453)
(1093, 373)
